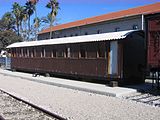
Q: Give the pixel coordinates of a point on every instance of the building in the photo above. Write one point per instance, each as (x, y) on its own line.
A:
(130, 19)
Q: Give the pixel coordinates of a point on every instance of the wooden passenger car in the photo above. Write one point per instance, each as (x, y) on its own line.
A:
(109, 56)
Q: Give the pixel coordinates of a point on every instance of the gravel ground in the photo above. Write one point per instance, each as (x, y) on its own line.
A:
(12, 109)
(78, 105)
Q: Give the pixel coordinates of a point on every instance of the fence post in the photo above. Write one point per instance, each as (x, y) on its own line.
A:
(5, 62)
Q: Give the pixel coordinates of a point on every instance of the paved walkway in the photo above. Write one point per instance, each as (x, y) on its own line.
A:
(78, 85)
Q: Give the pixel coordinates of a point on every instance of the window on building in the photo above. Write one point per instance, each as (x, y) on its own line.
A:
(135, 27)
(117, 29)
(98, 31)
(86, 33)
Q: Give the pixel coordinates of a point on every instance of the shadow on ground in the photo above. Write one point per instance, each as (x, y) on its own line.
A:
(146, 87)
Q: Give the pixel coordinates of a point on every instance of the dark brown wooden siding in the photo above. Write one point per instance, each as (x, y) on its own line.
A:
(87, 67)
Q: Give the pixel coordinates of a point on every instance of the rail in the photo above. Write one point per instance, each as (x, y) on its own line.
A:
(54, 115)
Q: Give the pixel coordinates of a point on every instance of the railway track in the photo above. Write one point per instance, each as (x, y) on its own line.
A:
(12, 108)
(150, 97)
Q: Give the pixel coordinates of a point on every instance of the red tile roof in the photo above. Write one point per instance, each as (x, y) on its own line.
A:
(148, 9)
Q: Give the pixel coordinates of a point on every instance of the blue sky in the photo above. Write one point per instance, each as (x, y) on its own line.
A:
(71, 10)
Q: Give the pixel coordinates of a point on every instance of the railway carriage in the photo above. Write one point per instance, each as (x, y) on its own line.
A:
(153, 46)
(108, 56)
(153, 41)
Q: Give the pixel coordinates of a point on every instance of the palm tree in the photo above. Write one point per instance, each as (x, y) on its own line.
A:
(23, 23)
(36, 20)
(36, 23)
(54, 6)
(29, 10)
(17, 11)
(47, 21)
(8, 21)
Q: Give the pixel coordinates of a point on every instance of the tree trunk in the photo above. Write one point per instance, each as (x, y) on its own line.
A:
(28, 27)
(51, 26)
(50, 37)
(36, 25)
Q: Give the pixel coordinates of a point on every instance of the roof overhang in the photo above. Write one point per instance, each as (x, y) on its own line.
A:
(76, 39)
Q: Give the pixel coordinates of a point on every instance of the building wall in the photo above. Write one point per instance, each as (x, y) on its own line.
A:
(122, 24)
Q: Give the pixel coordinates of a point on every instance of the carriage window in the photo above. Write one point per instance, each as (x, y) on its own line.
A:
(22, 52)
(32, 52)
(60, 53)
(54, 53)
(100, 51)
(14, 53)
(82, 52)
(27, 52)
(43, 52)
(18, 52)
(68, 52)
